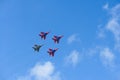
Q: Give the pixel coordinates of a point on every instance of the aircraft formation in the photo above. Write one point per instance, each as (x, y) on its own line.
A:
(43, 36)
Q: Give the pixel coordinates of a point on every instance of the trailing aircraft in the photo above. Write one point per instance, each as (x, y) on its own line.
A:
(37, 47)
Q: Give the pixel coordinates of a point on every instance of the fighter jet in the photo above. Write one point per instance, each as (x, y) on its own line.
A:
(37, 47)
(52, 51)
(43, 35)
(57, 39)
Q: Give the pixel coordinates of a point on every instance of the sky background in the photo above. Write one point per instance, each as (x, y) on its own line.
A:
(89, 50)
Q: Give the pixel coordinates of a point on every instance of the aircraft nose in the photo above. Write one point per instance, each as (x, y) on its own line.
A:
(56, 49)
(47, 32)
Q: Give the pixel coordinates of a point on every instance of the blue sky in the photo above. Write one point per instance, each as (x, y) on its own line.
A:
(89, 50)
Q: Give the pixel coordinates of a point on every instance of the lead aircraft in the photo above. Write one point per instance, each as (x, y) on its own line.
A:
(43, 35)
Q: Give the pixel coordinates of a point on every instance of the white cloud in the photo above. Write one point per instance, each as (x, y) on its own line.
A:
(44, 71)
(107, 57)
(101, 32)
(93, 51)
(115, 11)
(106, 6)
(113, 24)
(72, 39)
(73, 58)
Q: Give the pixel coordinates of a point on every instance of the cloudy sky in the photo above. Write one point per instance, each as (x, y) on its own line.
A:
(89, 50)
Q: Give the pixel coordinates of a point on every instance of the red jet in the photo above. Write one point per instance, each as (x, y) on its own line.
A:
(43, 35)
(57, 39)
(52, 51)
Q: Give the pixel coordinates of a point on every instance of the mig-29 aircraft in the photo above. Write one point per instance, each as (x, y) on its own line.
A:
(52, 51)
(37, 47)
(57, 39)
(43, 35)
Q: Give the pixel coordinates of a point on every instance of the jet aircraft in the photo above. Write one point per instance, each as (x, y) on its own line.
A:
(57, 39)
(43, 35)
(37, 47)
(52, 51)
